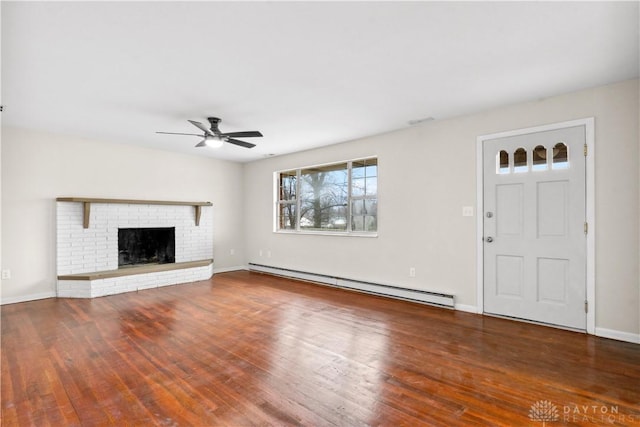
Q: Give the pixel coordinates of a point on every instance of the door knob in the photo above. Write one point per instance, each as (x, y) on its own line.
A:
(489, 239)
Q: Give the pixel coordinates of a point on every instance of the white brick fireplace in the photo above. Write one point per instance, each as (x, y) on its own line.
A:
(87, 245)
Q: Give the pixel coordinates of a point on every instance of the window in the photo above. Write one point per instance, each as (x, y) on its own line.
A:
(520, 160)
(287, 186)
(540, 159)
(323, 198)
(560, 156)
(364, 195)
(339, 197)
(503, 162)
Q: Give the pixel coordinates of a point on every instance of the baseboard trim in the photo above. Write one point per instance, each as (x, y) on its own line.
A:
(27, 298)
(467, 308)
(618, 335)
(424, 297)
(228, 269)
(52, 294)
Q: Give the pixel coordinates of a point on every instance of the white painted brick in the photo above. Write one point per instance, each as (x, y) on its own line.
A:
(64, 261)
(74, 294)
(101, 252)
(76, 285)
(97, 292)
(120, 289)
(96, 249)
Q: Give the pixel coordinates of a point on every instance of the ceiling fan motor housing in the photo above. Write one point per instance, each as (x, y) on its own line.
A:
(214, 124)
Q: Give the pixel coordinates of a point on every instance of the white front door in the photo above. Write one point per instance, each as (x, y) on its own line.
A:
(534, 227)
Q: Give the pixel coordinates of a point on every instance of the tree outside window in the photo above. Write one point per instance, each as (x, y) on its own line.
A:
(340, 197)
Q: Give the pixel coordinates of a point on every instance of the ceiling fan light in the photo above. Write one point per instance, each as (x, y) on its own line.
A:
(212, 141)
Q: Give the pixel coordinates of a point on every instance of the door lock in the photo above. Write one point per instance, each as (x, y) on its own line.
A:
(489, 239)
(489, 214)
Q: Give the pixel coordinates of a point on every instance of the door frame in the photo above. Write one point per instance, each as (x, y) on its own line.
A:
(589, 125)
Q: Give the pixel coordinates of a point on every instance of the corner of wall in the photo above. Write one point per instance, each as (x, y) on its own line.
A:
(618, 335)
(468, 308)
(25, 298)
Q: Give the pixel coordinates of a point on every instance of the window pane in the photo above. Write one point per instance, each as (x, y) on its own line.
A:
(364, 215)
(357, 207)
(364, 168)
(364, 223)
(539, 158)
(287, 216)
(364, 187)
(326, 218)
(358, 186)
(503, 162)
(364, 207)
(520, 160)
(371, 207)
(364, 179)
(560, 156)
(371, 186)
(287, 185)
(323, 198)
(357, 170)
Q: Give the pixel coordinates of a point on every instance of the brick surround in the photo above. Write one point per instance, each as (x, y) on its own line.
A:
(94, 249)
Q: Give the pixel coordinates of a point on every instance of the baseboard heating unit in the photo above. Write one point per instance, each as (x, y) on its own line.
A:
(426, 297)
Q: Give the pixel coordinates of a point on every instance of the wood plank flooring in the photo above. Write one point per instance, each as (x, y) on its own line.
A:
(248, 349)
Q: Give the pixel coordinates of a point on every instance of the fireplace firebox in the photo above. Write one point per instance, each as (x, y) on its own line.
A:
(142, 246)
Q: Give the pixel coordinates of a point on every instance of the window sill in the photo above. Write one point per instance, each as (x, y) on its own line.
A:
(328, 233)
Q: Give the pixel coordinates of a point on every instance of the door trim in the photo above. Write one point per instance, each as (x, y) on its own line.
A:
(589, 125)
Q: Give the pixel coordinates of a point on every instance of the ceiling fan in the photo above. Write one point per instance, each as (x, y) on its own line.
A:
(214, 138)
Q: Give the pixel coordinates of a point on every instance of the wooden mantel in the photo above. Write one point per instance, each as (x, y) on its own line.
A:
(86, 205)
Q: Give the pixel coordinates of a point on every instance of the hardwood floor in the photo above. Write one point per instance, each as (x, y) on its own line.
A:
(251, 349)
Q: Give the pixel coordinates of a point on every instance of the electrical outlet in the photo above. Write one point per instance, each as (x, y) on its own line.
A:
(268, 254)
(6, 274)
(232, 251)
(467, 211)
(260, 253)
(412, 272)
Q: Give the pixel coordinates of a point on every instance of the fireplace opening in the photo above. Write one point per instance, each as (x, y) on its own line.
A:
(141, 246)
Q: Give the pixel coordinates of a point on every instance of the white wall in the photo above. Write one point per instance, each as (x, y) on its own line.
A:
(428, 173)
(38, 167)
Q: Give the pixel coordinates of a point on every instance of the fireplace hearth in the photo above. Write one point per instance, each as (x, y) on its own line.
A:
(143, 246)
(94, 259)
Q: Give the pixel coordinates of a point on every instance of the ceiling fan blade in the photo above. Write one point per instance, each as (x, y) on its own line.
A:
(201, 143)
(246, 134)
(201, 127)
(240, 143)
(175, 133)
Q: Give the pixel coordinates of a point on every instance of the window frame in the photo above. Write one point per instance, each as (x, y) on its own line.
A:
(298, 201)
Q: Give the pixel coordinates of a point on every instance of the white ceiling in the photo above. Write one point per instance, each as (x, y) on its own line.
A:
(306, 74)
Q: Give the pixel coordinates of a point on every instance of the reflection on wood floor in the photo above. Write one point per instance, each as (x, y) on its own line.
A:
(251, 349)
